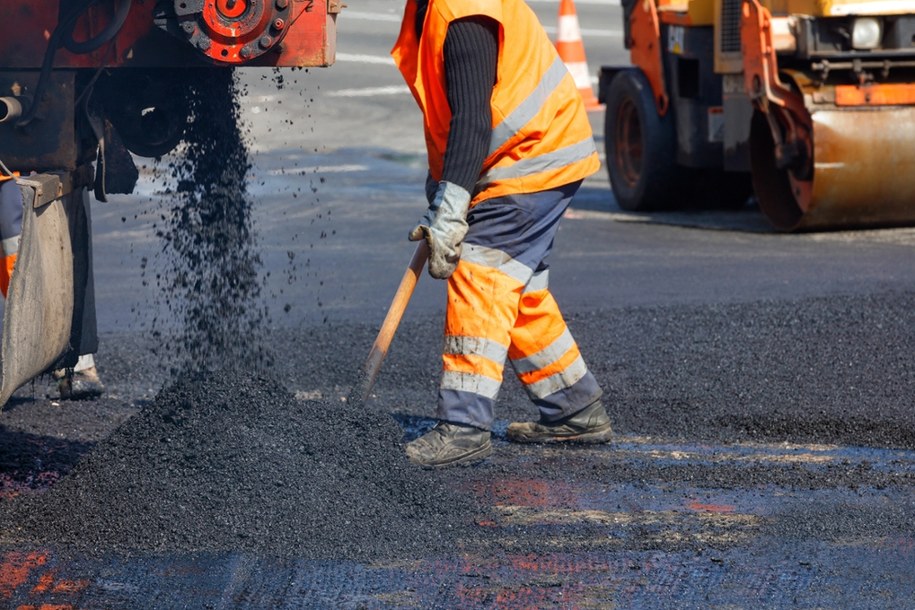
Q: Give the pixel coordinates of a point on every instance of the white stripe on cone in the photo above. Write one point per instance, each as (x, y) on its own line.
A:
(579, 70)
(568, 30)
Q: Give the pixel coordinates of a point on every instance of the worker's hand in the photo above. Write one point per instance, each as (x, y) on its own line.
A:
(443, 226)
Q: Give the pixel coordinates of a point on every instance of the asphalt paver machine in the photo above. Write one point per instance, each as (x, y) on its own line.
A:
(84, 86)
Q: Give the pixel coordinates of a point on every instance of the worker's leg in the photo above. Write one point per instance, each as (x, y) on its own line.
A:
(551, 368)
(482, 305)
(10, 230)
(546, 357)
(77, 376)
(549, 364)
(508, 238)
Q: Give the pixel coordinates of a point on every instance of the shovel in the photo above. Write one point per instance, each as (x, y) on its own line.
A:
(363, 387)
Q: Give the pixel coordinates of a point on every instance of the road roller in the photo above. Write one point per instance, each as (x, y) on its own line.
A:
(808, 105)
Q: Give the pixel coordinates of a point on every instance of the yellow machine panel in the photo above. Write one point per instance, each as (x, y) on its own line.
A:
(837, 8)
(692, 12)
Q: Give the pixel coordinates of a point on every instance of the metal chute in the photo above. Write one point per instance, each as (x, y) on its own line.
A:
(39, 309)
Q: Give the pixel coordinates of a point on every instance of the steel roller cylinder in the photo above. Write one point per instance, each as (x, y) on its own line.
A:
(863, 164)
(861, 172)
(234, 31)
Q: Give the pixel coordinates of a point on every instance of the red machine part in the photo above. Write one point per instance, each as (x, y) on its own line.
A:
(294, 33)
(234, 31)
(645, 50)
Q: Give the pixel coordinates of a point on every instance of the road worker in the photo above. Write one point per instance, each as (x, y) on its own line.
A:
(82, 380)
(10, 228)
(509, 143)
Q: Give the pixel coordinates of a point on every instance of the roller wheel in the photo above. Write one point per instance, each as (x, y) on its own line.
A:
(641, 146)
(772, 184)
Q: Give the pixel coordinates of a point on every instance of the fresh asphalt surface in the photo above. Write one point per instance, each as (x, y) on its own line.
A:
(761, 386)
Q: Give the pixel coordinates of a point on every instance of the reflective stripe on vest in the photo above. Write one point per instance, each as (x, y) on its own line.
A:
(580, 151)
(522, 115)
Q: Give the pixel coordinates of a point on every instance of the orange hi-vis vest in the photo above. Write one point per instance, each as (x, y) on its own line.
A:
(541, 137)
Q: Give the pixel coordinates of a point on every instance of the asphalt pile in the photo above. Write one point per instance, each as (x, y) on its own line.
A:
(225, 459)
(235, 463)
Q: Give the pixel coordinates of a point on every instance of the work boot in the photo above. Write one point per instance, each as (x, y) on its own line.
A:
(449, 444)
(79, 385)
(590, 425)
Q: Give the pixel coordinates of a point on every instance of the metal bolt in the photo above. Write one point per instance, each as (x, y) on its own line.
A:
(279, 24)
(265, 42)
(282, 4)
(246, 53)
(188, 26)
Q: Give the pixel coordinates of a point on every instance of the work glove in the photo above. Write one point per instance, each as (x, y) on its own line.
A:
(443, 226)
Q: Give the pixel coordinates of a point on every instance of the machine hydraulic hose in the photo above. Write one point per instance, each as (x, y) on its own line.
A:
(62, 36)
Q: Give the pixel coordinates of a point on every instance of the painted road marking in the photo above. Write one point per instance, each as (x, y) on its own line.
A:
(590, 33)
(365, 59)
(585, 32)
(370, 91)
(318, 169)
(391, 17)
(579, 2)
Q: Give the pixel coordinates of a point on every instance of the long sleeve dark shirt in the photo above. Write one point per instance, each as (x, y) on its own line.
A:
(471, 54)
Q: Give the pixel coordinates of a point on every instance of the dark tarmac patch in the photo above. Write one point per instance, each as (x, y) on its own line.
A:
(234, 463)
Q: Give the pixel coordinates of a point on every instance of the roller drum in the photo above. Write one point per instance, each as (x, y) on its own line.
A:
(864, 167)
(863, 171)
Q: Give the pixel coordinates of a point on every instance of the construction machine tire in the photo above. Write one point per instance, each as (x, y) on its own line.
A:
(641, 146)
(772, 185)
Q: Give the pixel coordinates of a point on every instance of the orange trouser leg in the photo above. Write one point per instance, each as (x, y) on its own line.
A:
(6, 273)
(482, 308)
(546, 357)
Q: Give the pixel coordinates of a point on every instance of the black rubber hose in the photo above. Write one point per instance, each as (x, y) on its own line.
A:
(87, 46)
(63, 36)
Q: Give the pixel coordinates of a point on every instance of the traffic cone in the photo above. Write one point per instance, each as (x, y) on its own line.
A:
(572, 52)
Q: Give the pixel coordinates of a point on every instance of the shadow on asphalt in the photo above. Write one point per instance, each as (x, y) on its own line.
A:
(32, 462)
(744, 219)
